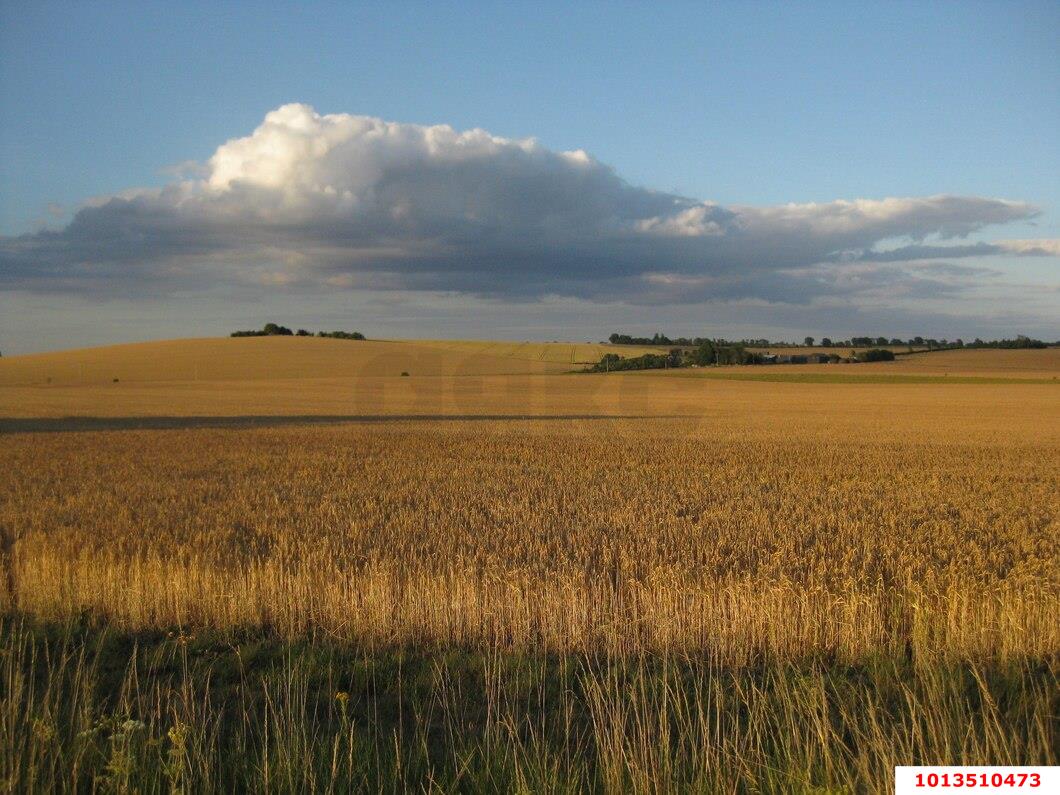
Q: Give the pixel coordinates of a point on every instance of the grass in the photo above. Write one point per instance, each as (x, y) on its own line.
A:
(90, 708)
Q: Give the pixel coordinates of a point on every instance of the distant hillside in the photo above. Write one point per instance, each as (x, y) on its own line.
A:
(1023, 363)
(255, 358)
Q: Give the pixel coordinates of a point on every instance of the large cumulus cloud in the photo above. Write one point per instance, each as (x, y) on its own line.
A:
(346, 202)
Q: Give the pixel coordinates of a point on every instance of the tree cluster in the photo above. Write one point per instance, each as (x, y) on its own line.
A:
(269, 330)
(649, 361)
(276, 330)
(721, 352)
(656, 339)
(876, 355)
(341, 335)
(706, 352)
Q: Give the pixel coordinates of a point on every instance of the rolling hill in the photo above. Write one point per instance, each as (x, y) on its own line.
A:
(253, 358)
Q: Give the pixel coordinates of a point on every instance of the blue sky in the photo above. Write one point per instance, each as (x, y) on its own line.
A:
(741, 104)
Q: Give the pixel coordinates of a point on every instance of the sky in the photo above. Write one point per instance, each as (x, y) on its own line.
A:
(528, 172)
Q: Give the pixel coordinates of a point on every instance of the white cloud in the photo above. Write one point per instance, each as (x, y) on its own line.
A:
(340, 201)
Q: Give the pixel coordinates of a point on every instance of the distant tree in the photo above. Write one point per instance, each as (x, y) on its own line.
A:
(896, 341)
(341, 335)
(302, 333)
(826, 342)
(705, 354)
(270, 330)
(808, 341)
(877, 355)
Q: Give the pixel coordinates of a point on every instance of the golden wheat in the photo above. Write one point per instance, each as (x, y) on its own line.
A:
(564, 534)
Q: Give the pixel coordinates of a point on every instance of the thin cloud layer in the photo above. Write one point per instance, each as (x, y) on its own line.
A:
(352, 202)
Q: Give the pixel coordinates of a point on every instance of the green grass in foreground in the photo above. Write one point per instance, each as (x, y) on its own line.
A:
(87, 708)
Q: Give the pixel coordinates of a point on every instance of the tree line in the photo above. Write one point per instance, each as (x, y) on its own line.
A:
(712, 352)
(276, 330)
(707, 352)
(1021, 341)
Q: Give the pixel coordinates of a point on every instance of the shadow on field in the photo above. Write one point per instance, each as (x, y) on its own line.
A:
(62, 424)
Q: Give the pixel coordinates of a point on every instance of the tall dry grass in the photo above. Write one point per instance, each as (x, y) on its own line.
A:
(108, 712)
(617, 535)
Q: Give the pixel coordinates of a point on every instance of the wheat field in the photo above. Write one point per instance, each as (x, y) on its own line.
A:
(524, 581)
(624, 535)
(259, 358)
(568, 353)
